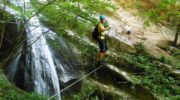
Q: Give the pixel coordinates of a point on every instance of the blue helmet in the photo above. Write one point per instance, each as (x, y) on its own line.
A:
(102, 17)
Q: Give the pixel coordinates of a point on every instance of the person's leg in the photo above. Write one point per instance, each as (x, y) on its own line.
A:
(103, 49)
(101, 56)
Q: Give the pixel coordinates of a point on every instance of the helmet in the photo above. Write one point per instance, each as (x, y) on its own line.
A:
(102, 17)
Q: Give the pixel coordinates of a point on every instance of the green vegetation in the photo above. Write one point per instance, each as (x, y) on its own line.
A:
(10, 92)
(87, 89)
(164, 86)
(87, 53)
(158, 11)
(25, 13)
(163, 12)
(77, 15)
(157, 78)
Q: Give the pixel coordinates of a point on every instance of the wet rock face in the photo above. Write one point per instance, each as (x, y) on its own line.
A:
(11, 36)
(65, 61)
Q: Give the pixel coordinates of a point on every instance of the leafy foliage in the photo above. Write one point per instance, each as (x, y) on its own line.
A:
(74, 14)
(87, 89)
(156, 78)
(10, 92)
(162, 12)
(159, 11)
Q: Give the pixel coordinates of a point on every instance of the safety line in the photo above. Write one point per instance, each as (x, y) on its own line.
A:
(75, 82)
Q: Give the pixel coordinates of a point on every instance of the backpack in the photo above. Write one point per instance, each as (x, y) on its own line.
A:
(95, 33)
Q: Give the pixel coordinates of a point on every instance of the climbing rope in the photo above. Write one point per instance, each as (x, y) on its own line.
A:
(80, 78)
(76, 82)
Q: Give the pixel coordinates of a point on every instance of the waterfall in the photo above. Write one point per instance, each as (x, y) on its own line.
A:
(40, 62)
(40, 72)
(44, 68)
(13, 67)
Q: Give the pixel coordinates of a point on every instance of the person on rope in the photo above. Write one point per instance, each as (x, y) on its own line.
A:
(100, 37)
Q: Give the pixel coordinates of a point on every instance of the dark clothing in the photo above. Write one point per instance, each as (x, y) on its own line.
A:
(102, 45)
(128, 32)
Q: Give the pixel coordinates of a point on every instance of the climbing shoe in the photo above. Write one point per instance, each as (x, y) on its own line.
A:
(102, 62)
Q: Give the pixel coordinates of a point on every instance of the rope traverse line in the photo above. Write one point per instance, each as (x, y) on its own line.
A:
(76, 82)
(79, 79)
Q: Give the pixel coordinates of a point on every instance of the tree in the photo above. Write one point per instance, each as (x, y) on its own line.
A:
(2, 29)
(177, 33)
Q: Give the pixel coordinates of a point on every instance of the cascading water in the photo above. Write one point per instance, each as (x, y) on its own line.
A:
(44, 70)
(13, 67)
(40, 71)
(40, 62)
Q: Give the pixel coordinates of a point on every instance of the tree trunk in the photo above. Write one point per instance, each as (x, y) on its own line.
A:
(1, 38)
(3, 26)
(177, 33)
